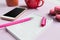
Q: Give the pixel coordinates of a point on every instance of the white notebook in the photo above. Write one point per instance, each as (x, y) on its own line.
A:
(29, 30)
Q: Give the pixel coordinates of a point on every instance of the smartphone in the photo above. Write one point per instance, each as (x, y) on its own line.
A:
(13, 14)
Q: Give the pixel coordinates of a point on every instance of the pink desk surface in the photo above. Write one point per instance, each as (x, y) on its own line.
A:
(52, 33)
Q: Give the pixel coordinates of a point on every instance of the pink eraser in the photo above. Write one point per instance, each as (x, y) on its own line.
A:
(52, 12)
(43, 21)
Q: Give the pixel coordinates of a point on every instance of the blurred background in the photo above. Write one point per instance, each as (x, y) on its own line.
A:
(52, 33)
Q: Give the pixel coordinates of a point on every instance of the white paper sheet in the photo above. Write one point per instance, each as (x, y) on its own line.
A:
(29, 30)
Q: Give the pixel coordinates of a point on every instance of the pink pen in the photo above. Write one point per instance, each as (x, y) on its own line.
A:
(43, 22)
(15, 22)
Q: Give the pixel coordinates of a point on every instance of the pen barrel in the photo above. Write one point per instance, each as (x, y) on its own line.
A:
(15, 22)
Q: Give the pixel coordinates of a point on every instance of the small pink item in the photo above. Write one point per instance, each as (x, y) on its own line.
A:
(43, 22)
(57, 8)
(58, 17)
(15, 22)
(52, 12)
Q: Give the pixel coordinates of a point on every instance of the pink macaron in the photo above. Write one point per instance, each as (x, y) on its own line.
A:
(52, 12)
(58, 17)
(57, 9)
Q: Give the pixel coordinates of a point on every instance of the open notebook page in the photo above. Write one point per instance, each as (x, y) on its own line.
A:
(29, 30)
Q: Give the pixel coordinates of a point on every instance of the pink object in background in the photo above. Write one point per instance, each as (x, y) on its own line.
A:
(43, 22)
(34, 3)
(15, 22)
(58, 17)
(57, 8)
(52, 12)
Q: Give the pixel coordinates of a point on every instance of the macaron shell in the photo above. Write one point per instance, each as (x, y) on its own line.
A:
(57, 8)
(52, 12)
(58, 17)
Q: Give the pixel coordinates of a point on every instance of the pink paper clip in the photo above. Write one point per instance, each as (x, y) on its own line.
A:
(43, 22)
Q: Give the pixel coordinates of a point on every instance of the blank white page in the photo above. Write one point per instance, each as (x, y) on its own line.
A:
(29, 30)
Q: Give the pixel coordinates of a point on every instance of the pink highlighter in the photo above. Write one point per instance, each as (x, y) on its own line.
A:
(43, 22)
(15, 22)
